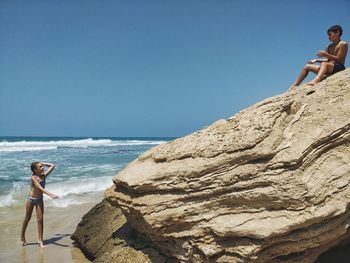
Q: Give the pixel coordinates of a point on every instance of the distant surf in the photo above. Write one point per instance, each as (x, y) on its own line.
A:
(20, 146)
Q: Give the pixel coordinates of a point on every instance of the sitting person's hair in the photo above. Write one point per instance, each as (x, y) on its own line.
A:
(336, 28)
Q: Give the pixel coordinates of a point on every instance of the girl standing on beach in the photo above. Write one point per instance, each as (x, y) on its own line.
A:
(35, 198)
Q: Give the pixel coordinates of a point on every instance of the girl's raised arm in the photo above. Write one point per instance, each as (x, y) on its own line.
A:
(48, 171)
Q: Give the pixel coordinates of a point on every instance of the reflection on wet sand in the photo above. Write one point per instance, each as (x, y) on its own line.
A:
(25, 258)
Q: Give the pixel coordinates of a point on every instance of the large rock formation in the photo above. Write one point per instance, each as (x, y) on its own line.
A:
(270, 184)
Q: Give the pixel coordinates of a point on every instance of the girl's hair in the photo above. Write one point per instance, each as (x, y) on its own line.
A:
(33, 166)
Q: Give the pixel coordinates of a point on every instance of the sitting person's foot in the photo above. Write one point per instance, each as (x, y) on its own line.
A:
(292, 87)
(313, 82)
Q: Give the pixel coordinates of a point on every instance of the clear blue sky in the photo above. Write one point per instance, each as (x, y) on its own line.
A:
(150, 68)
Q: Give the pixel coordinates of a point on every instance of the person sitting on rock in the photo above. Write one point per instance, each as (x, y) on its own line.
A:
(332, 60)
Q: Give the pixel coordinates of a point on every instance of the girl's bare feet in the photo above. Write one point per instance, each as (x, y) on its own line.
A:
(24, 242)
(41, 244)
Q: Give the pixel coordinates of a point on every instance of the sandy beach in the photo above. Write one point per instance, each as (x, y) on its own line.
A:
(59, 224)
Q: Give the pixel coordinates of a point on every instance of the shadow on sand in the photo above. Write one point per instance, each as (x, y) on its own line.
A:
(54, 240)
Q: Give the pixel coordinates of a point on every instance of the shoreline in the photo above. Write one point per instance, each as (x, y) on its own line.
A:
(59, 225)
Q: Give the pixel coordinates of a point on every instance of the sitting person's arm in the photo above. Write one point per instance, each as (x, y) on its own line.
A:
(319, 60)
(313, 61)
(339, 57)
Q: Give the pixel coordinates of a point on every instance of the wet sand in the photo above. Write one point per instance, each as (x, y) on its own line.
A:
(59, 225)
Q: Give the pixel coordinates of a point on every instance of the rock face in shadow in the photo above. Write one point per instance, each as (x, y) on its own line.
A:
(104, 236)
(270, 184)
(339, 254)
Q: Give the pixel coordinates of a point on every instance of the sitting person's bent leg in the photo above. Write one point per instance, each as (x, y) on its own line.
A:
(325, 68)
(307, 68)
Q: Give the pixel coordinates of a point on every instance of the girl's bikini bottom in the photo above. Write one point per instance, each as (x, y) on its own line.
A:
(34, 200)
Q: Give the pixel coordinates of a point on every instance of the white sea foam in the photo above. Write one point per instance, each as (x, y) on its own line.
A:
(81, 186)
(69, 192)
(7, 200)
(26, 149)
(14, 195)
(75, 192)
(83, 143)
(64, 202)
(136, 142)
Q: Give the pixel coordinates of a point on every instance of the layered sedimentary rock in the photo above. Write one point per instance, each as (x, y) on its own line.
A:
(270, 184)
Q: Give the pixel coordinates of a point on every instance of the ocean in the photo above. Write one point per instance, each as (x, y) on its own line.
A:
(84, 167)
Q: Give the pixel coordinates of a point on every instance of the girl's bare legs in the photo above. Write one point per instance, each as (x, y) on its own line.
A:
(39, 216)
(325, 68)
(307, 68)
(29, 211)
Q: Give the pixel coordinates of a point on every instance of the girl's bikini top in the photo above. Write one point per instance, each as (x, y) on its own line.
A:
(42, 183)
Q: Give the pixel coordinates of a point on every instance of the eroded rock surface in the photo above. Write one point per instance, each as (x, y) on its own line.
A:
(270, 184)
(104, 236)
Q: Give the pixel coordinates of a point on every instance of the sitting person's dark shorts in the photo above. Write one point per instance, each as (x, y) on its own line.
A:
(337, 67)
